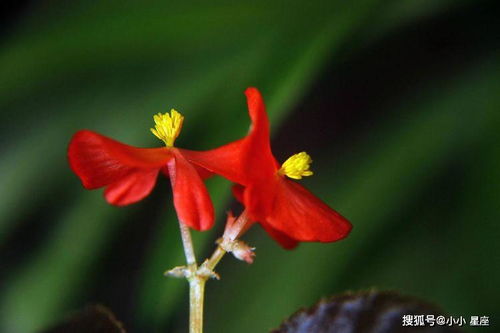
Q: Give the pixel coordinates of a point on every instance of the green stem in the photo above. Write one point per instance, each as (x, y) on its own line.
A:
(197, 277)
(215, 258)
(196, 296)
(187, 243)
(196, 283)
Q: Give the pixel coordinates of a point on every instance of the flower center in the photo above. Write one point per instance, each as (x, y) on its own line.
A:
(167, 126)
(297, 166)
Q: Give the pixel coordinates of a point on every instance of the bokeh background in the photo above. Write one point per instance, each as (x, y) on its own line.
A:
(398, 102)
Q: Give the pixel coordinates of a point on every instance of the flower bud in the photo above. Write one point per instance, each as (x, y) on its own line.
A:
(238, 248)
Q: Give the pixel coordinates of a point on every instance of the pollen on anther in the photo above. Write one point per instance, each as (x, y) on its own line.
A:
(167, 126)
(297, 166)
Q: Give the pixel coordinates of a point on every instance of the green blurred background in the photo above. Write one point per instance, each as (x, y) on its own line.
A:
(397, 102)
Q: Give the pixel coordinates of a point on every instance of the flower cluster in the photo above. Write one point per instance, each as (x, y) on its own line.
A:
(284, 208)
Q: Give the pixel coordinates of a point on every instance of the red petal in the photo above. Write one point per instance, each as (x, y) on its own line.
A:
(259, 198)
(131, 188)
(257, 112)
(304, 217)
(238, 191)
(258, 159)
(204, 173)
(224, 160)
(285, 241)
(191, 199)
(246, 160)
(100, 161)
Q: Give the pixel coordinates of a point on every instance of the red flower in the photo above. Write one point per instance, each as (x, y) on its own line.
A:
(286, 210)
(129, 173)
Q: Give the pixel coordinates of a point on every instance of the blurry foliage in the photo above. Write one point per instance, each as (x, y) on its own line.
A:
(397, 101)
(365, 312)
(92, 319)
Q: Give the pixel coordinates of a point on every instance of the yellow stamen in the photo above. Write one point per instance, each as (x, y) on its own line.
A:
(297, 166)
(167, 126)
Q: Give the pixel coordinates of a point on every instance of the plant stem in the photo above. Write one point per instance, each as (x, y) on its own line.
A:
(197, 276)
(235, 230)
(187, 243)
(215, 258)
(231, 233)
(197, 290)
(196, 295)
(196, 283)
